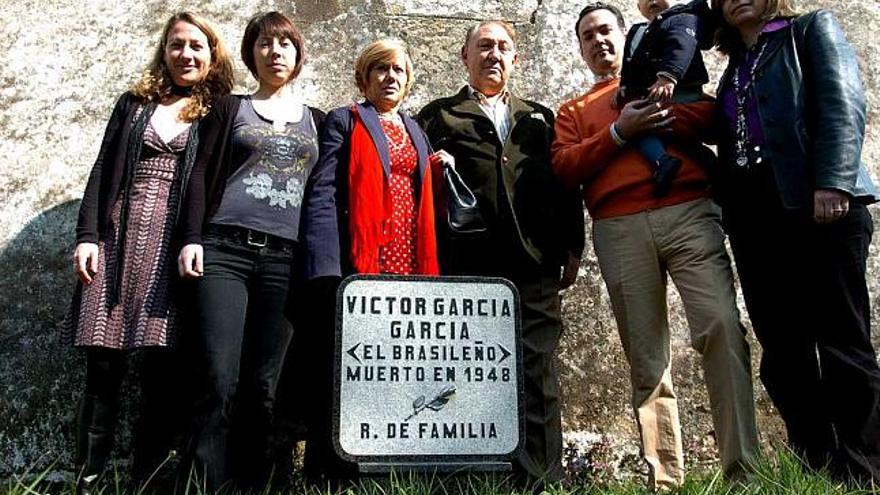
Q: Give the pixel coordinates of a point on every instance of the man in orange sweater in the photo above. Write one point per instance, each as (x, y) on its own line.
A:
(641, 239)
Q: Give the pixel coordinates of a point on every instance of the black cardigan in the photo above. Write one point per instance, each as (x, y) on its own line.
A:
(105, 180)
(114, 165)
(213, 165)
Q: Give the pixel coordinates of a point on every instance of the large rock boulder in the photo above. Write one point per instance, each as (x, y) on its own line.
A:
(66, 62)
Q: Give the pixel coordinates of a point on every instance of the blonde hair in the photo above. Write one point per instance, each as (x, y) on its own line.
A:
(774, 8)
(379, 52)
(727, 37)
(155, 81)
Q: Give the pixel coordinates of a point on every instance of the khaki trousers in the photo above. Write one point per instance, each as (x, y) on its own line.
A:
(636, 253)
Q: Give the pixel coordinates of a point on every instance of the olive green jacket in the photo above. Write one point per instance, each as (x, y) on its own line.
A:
(547, 220)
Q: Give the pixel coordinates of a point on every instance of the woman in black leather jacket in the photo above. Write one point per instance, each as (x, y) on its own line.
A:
(793, 193)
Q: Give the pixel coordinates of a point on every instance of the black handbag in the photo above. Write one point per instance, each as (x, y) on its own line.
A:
(462, 212)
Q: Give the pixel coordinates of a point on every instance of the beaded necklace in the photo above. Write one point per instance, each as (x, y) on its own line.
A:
(742, 147)
(395, 146)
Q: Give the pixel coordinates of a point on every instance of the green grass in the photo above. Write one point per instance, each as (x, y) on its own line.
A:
(781, 474)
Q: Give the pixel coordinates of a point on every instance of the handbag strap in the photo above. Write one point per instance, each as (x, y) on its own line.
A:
(457, 190)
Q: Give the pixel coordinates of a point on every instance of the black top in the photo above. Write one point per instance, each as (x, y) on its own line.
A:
(265, 190)
(213, 166)
(670, 43)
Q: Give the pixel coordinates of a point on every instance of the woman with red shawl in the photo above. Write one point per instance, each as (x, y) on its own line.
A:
(368, 209)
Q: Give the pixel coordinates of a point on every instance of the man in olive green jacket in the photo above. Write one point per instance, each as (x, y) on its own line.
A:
(501, 148)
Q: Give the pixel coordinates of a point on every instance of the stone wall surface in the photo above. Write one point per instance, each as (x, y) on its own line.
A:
(63, 65)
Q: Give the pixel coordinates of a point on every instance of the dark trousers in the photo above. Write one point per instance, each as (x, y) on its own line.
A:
(321, 463)
(805, 290)
(241, 343)
(541, 457)
(159, 412)
(290, 421)
(538, 286)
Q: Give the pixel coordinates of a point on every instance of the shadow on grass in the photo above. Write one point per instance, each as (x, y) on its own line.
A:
(780, 474)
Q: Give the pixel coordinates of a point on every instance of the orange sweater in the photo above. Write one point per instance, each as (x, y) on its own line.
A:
(617, 181)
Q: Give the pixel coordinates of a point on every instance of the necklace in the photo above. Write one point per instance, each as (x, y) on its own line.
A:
(396, 124)
(393, 117)
(182, 91)
(396, 147)
(742, 146)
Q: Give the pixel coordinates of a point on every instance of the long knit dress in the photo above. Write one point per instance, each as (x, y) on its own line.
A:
(145, 314)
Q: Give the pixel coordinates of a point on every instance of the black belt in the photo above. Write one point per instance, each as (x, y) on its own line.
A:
(249, 237)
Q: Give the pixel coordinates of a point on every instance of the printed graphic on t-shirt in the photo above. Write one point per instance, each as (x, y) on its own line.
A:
(277, 177)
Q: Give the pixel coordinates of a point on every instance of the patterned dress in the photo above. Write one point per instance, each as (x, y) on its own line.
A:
(398, 256)
(145, 314)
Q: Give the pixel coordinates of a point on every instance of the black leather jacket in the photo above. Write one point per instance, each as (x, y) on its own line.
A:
(812, 111)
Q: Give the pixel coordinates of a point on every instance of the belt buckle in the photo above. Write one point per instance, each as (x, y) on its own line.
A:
(258, 244)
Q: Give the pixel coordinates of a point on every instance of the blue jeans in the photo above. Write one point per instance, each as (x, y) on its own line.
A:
(240, 346)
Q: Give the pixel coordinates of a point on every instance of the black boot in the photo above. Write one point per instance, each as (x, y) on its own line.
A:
(94, 441)
(159, 429)
(664, 172)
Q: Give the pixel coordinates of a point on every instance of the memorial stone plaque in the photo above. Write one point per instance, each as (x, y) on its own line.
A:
(428, 373)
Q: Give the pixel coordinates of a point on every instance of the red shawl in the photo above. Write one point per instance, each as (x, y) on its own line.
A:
(369, 204)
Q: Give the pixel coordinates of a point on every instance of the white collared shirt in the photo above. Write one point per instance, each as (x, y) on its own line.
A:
(497, 108)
